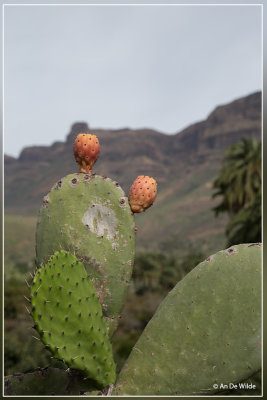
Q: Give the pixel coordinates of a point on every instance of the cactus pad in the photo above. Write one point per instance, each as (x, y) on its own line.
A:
(89, 216)
(206, 332)
(69, 319)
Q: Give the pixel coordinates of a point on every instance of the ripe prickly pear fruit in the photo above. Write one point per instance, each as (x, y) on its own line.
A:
(86, 151)
(142, 193)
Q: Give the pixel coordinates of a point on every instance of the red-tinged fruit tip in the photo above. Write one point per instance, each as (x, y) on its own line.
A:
(142, 193)
(86, 151)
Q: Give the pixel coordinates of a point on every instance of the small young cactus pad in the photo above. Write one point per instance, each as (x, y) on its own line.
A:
(69, 319)
(89, 216)
(86, 151)
(206, 332)
(142, 193)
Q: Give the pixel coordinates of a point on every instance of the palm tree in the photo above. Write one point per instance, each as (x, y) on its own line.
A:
(246, 224)
(239, 184)
(239, 180)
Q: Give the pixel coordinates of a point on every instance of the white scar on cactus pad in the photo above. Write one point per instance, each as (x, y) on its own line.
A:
(101, 221)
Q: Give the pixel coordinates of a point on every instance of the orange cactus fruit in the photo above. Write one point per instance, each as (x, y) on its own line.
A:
(142, 193)
(86, 151)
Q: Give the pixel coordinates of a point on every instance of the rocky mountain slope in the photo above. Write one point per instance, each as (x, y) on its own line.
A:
(184, 165)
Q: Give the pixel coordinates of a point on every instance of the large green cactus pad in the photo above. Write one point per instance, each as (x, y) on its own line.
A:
(69, 319)
(207, 331)
(50, 382)
(90, 216)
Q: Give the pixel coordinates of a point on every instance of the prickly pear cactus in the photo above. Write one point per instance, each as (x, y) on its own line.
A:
(90, 216)
(69, 319)
(205, 333)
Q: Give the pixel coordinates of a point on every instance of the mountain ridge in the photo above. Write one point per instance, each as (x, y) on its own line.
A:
(184, 164)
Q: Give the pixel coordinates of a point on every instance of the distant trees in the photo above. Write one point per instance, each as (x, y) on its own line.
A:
(159, 272)
(239, 184)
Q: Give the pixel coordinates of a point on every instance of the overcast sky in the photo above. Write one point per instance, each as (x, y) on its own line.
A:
(114, 67)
